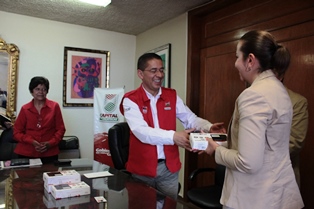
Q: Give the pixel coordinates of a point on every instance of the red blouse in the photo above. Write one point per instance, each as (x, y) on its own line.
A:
(48, 126)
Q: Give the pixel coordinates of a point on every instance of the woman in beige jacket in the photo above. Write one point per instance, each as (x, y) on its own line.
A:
(259, 174)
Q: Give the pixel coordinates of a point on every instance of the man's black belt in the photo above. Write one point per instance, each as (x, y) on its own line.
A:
(161, 160)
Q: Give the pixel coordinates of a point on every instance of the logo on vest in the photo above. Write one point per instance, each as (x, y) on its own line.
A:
(167, 106)
(144, 109)
(102, 151)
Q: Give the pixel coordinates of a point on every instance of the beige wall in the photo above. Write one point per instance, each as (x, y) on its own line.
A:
(175, 33)
(41, 43)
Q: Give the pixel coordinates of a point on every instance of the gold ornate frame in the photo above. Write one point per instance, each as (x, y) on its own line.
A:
(9, 199)
(14, 53)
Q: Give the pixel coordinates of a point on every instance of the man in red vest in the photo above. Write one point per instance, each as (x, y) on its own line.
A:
(151, 112)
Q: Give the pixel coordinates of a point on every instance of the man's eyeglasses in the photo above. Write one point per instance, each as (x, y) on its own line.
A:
(154, 70)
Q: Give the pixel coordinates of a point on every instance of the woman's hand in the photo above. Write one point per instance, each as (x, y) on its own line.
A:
(45, 146)
(37, 146)
(41, 147)
(212, 145)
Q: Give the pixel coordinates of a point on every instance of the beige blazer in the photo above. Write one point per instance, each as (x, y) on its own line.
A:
(259, 174)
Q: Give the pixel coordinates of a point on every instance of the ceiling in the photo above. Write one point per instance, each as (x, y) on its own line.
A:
(124, 16)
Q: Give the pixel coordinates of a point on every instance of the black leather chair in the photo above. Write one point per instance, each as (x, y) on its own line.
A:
(69, 148)
(118, 138)
(208, 197)
(7, 145)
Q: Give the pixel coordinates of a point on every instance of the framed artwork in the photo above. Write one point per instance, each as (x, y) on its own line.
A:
(84, 70)
(165, 53)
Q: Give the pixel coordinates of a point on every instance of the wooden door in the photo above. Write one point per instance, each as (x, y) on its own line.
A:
(213, 81)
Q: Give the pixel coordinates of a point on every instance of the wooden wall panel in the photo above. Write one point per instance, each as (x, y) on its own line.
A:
(220, 77)
(287, 21)
(300, 78)
(258, 12)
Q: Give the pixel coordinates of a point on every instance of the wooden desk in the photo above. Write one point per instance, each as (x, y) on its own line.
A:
(24, 189)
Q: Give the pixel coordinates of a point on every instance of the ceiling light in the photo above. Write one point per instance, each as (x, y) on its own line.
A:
(103, 3)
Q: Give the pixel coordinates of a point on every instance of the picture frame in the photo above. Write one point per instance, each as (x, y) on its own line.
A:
(165, 53)
(83, 70)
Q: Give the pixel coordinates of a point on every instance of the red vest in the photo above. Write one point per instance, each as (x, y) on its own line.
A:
(143, 157)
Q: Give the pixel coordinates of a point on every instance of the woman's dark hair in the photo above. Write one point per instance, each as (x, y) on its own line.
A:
(142, 60)
(35, 81)
(264, 47)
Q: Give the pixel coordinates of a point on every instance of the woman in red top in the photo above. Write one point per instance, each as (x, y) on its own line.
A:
(39, 126)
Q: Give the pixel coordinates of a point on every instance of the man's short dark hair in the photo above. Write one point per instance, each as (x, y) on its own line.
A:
(142, 60)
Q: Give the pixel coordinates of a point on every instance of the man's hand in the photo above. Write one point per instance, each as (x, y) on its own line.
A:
(218, 128)
(181, 138)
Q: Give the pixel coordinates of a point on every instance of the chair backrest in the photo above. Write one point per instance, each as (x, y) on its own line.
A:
(207, 196)
(119, 137)
(220, 175)
(7, 145)
(69, 148)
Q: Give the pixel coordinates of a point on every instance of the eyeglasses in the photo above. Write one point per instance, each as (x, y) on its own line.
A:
(39, 89)
(154, 70)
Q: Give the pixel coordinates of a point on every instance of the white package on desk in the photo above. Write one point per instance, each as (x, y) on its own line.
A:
(60, 177)
(51, 202)
(70, 190)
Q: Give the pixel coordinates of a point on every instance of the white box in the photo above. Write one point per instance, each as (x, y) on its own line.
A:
(198, 140)
(47, 187)
(51, 202)
(60, 177)
(70, 190)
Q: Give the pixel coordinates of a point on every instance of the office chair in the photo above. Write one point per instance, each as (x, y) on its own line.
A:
(118, 138)
(7, 145)
(208, 197)
(69, 148)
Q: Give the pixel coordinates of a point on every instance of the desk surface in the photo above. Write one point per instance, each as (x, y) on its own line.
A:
(23, 188)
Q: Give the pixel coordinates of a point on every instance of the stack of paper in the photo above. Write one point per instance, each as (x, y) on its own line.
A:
(8, 164)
